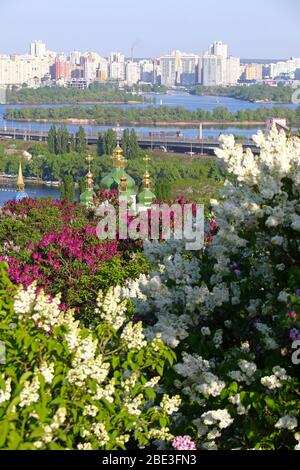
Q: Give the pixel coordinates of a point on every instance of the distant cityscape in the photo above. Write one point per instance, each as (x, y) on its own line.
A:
(215, 67)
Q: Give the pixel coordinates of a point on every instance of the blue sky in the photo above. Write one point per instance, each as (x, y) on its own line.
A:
(252, 28)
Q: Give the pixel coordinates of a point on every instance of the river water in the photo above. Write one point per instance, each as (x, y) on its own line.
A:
(33, 191)
(172, 99)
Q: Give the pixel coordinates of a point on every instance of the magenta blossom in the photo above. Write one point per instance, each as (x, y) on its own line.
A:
(292, 315)
(183, 443)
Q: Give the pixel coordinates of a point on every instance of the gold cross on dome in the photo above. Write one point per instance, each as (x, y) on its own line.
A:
(89, 159)
(147, 160)
(118, 130)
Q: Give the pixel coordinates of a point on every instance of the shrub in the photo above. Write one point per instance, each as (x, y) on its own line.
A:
(232, 311)
(66, 387)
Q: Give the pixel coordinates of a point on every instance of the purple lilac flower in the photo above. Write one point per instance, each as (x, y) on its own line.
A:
(294, 334)
(297, 293)
(183, 443)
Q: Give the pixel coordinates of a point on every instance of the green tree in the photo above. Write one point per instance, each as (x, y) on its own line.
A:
(81, 185)
(100, 144)
(62, 140)
(81, 142)
(126, 142)
(67, 190)
(162, 190)
(72, 143)
(52, 139)
(109, 142)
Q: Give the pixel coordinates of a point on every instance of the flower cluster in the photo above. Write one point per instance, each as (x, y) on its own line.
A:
(68, 387)
(232, 310)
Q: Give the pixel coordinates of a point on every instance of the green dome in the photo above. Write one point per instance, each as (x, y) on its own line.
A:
(146, 197)
(87, 197)
(113, 180)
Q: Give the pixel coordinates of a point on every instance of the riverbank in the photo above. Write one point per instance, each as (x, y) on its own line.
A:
(70, 103)
(94, 122)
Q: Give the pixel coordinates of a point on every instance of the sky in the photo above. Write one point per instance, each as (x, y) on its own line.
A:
(261, 29)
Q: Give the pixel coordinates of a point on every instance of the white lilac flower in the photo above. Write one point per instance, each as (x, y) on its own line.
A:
(84, 446)
(287, 422)
(236, 400)
(152, 382)
(133, 405)
(6, 393)
(170, 404)
(221, 418)
(112, 307)
(100, 432)
(205, 331)
(47, 371)
(162, 434)
(30, 392)
(90, 410)
(133, 336)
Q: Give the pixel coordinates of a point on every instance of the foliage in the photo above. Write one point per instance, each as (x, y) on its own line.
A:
(281, 94)
(55, 244)
(151, 115)
(64, 387)
(232, 311)
(95, 93)
(67, 189)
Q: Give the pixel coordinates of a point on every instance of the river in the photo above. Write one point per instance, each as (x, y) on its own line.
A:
(172, 99)
(33, 191)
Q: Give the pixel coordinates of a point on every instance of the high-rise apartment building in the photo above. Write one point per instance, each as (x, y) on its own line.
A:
(61, 69)
(117, 66)
(132, 73)
(219, 49)
(188, 65)
(19, 69)
(213, 70)
(38, 49)
(253, 72)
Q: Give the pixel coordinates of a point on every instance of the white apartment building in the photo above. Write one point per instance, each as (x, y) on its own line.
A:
(233, 70)
(188, 65)
(219, 49)
(117, 71)
(75, 57)
(214, 70)
(147, 70)
(168, 70)
(287, 67)
(38, 49)
(19, 69)
(178, 68)
(132, 73)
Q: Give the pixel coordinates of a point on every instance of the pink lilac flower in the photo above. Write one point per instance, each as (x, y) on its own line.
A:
(292, 315)
(183, 443)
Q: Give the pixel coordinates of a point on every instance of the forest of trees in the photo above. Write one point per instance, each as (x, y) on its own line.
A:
(150, 115)
(96, 92)
(281, 94)
(168, 173)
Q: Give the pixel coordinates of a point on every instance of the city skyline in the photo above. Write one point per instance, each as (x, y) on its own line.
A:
(163, 27)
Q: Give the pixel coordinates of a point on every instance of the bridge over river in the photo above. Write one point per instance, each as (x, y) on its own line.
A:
(166, 143)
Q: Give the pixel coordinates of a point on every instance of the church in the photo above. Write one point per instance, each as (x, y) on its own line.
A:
(122, 181)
